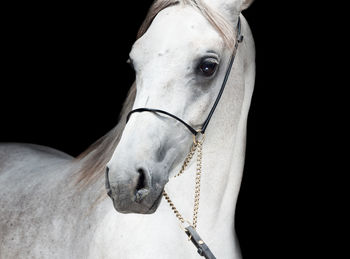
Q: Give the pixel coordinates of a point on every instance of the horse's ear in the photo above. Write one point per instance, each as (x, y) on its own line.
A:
(246, 4)
(230, 6)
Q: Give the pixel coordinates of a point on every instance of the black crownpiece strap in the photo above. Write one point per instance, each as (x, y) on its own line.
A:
(239, 38)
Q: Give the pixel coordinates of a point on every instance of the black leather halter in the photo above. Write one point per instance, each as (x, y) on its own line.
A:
(239, 38)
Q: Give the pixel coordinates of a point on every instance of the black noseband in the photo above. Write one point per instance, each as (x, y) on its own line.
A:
(193, 131)
(239, 38)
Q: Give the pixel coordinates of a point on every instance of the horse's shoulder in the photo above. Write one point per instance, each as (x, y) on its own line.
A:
(34, 186)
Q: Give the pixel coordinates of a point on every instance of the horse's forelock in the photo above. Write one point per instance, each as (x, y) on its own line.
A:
(214, 18)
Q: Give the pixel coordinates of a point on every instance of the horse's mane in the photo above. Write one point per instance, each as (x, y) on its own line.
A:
(94, 159)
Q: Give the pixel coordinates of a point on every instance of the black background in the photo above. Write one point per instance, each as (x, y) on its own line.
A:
(64, 77)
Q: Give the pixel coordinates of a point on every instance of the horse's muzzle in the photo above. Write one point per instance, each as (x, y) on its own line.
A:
(134, 192)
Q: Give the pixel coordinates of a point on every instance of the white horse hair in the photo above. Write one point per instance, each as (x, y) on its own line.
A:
(55, 206)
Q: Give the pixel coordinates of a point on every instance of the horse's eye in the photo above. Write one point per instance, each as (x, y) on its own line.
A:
(208, 67)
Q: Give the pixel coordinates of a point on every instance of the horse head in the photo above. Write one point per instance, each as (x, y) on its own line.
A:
(180, 61)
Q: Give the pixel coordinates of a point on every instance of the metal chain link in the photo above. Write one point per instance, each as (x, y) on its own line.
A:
(197, 190)
(187, 159)
(176, 212)
(197, 146)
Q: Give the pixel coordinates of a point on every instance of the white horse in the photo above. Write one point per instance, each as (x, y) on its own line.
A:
(55, 206)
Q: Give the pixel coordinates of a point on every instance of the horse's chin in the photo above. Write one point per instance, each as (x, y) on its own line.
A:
(138, 208)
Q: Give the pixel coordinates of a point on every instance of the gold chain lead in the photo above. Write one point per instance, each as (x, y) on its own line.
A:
(197, 190)
(197, 146)
(187, 159)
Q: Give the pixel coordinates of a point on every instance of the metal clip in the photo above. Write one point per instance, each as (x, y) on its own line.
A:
(202, 248)
(199, 137)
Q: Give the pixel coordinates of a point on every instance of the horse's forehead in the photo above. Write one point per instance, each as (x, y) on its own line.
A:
(179, 27)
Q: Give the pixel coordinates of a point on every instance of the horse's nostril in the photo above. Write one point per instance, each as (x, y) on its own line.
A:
(142, 187)
(141, 181)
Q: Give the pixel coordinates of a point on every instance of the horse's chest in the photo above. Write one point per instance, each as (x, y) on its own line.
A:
(135, 236)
